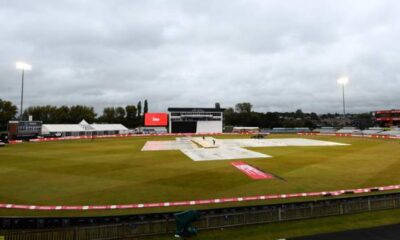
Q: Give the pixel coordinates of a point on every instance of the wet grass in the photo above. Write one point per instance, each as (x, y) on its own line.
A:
(116, 171)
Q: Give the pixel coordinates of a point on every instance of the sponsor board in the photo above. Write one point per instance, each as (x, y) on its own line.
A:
(185, 134)
(350, 135)
(251, 171)
(199, 202)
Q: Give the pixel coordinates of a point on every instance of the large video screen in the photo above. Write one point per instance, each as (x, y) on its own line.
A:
(156, 119)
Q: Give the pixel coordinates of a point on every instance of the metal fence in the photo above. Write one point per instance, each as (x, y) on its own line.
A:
(210, 219)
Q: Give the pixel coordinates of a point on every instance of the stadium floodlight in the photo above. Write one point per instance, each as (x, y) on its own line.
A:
(343, 81)
(23, 67)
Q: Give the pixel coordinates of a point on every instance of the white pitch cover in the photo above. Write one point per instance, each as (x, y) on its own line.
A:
(209, 127)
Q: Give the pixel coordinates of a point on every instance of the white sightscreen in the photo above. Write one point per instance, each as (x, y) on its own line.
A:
(209, 127)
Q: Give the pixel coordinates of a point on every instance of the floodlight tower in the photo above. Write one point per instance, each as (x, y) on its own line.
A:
(343, 82)
(23, 67)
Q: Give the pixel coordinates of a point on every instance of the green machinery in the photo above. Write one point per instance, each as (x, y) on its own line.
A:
(183, 223)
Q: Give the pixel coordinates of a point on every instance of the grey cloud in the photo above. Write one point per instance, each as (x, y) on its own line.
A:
(279, 55)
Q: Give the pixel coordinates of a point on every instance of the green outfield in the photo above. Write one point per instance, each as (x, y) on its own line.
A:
(116, 171)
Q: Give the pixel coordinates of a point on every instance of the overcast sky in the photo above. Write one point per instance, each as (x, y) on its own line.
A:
(278, 55)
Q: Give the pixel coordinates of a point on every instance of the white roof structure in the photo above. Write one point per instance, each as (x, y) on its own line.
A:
(83, 126)
(83, 122)
(47, 128)
(86, 125)
(109, 127)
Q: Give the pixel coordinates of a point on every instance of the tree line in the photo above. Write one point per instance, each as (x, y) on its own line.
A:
(7, 112)
(243, 115)
(131, 116)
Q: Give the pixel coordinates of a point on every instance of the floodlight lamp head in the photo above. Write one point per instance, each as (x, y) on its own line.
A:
(343, 80)
(23, 66)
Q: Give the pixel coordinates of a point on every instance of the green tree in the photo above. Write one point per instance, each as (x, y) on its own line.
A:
(217, 105)
(244, 107)
(79, 112)
(314, 116)
(229, 115)
(109, 115)
(62, 115)
(299, 114)
(363, 120)
(7, 113)
(139, 109)
(120, 114)
(146, 107)
(131, 115)
(46, 114)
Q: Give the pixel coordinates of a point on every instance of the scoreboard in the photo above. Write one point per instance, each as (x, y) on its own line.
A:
(23, 130)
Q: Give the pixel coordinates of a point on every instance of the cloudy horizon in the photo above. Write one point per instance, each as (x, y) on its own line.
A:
(277, 55)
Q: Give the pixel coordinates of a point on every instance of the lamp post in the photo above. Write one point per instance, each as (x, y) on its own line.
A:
(343, 81)
(23, 67)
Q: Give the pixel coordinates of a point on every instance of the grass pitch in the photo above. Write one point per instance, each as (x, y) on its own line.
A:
(116, 171)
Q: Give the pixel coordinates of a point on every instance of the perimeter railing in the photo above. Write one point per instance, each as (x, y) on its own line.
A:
(211, 219)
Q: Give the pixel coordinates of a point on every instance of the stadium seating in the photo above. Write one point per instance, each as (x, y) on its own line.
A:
(290, 130)
(355, 131)
(349, 130)
(372, 131)
(325, 130)
(392, 132)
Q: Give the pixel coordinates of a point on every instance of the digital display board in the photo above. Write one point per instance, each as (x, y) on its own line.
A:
(156, 119)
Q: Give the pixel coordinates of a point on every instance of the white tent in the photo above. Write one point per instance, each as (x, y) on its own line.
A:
(60, 128)
(110, 127)
(86, 125)
(83, 129)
